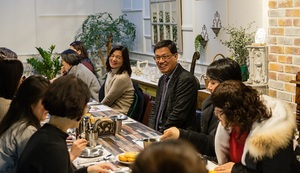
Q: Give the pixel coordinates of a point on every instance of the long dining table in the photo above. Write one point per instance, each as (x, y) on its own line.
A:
(130, 139)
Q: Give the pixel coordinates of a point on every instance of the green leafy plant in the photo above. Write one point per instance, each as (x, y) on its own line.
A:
(199, 43)
(101, 30)
(239, 38)
(47, 65)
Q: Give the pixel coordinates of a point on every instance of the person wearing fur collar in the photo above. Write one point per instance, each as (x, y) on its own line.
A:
(255, 133)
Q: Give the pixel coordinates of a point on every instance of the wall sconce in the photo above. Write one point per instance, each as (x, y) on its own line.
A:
(204, 36)
(216, 23)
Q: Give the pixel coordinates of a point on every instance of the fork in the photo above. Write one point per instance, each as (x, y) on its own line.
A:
(104, 158)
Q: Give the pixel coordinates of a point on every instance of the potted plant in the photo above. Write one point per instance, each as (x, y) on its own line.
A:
(239, 39)
(46, 65)
(99, 31)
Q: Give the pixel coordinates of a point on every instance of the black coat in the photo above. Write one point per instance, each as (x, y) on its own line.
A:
(204, 141)
(180, 101)
(271, 165)
(47, 152)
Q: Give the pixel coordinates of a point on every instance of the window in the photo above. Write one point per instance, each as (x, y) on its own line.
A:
(166, 21)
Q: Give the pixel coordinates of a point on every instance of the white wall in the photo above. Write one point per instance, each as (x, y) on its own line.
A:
(31, 23)
(17, 29)
(195, 14)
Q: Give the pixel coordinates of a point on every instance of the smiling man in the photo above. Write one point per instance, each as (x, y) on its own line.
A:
(176, 95)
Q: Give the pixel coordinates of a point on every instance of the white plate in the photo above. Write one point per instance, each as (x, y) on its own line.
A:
(127, 163)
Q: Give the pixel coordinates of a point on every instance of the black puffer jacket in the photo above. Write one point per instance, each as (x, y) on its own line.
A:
(204, 141)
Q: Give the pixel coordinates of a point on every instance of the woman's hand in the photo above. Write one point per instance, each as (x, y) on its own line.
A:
(225, 168)
(99, 168)
(77, 148)
(170, 133)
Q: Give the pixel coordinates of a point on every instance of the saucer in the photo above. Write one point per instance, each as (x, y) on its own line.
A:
(91, 152)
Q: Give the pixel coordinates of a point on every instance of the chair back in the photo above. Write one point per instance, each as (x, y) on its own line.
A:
(147, 108)
(101, 94)
(136, 110)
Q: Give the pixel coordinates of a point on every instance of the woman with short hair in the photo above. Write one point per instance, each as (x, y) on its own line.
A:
(71, 64)
(46, 151)
(255, 132)
(170, 156)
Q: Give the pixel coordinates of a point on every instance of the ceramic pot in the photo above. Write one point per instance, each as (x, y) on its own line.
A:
(245, 73)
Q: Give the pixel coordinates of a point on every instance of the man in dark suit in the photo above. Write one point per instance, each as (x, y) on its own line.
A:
(176, 95)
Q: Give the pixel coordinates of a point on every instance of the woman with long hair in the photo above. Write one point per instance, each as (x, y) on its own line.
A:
(78, 46)
(118, 88)
(11, 71)
(21, 121)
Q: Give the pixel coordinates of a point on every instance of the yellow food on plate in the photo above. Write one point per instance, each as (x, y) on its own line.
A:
(122, 158)
(131, 160)
(212, 171)
(128, 156)
(131, 155)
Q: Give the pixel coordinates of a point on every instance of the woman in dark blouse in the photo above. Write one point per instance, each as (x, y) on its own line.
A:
(46, 151)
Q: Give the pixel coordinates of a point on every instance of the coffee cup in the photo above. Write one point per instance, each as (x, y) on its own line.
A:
(118, 122)
(149, 141)
(118, 125)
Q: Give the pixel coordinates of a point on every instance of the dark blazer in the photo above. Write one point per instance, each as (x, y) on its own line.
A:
(180, 101)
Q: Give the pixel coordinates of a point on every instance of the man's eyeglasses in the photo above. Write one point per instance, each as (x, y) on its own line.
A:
(163, 57)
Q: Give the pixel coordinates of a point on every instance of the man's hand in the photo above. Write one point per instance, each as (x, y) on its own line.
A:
(170, 133)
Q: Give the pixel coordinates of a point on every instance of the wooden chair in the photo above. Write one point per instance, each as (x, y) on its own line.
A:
(202, 95)
(148, 108)
(297, 100)
(196, 56)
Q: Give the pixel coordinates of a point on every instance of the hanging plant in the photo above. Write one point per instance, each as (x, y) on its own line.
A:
(199, 43)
